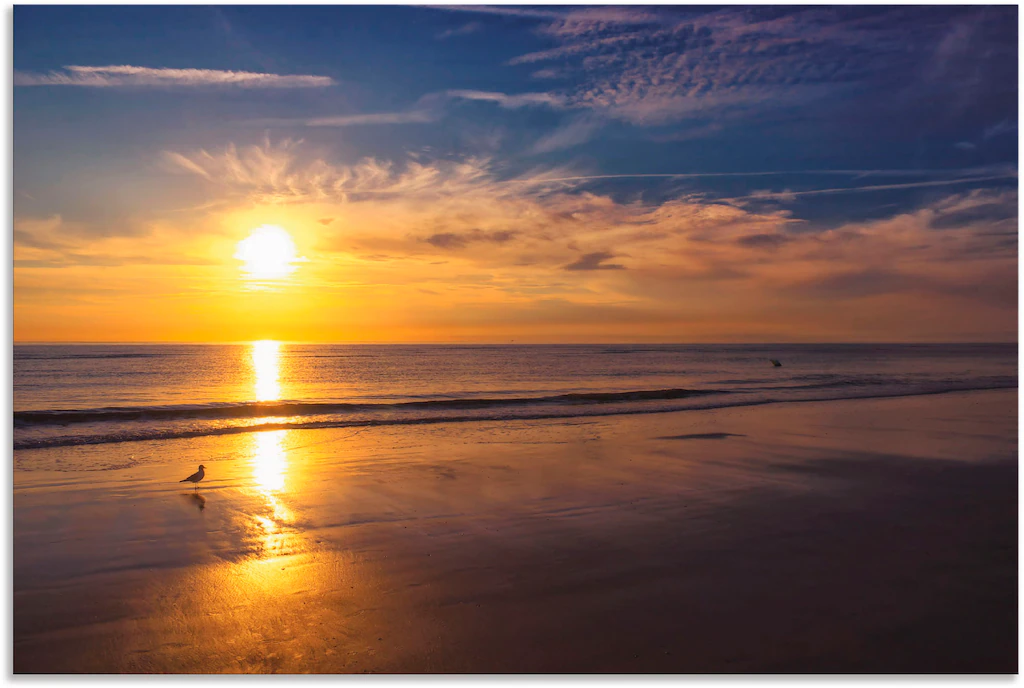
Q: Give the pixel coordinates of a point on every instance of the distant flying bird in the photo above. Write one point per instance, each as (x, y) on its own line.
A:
(195, 477)
(774, 363)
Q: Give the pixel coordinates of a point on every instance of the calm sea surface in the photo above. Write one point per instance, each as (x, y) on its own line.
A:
(72, 395)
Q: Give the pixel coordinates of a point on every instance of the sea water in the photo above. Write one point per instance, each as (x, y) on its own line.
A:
(68, 396)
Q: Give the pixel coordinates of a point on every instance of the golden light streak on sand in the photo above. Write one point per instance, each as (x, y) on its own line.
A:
(269, 473)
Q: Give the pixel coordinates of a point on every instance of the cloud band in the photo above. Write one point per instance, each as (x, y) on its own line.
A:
(128, 75)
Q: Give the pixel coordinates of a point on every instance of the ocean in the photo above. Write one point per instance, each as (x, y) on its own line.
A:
(68, 396)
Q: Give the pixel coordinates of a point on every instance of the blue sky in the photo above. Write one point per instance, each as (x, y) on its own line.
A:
(818, 118)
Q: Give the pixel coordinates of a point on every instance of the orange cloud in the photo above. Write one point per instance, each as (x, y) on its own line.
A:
(446, 250)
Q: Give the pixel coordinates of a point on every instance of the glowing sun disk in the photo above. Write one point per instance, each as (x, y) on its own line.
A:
(268, 253)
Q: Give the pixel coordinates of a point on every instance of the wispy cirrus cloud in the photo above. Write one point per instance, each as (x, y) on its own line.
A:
(283, 173)
(509, 100)
(952, 176)
(132, 76)
(558, 16)
(360, 119)
(651, 70)
(464, 30)
(408, 117)
(429, 108)
(1003, 127)
(653, 66)
(463, 204)
(278, 173)
(657, 66)
(504, 11)
(790, 195)
(577, 131)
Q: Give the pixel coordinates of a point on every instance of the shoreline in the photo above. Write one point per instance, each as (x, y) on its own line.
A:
(874, 536)
(341, 425)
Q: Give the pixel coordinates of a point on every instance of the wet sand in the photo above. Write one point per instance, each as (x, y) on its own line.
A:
(850, 536)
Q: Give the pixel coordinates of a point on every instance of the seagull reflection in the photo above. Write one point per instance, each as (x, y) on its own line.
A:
(197, 499)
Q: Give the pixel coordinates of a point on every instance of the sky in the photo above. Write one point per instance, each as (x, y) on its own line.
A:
(515, 173)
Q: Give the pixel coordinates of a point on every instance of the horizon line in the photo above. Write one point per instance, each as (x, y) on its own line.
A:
(494, 343)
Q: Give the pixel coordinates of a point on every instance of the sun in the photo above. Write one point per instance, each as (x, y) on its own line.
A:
(268, 253)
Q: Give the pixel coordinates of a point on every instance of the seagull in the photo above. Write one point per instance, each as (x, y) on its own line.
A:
(195, 477)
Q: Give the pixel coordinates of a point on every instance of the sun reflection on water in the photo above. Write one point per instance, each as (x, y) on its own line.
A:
(270, 473)
(273, 523)
(266, 366)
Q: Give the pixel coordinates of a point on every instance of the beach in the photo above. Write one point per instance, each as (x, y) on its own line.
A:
(663, 339)
(860, 535)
